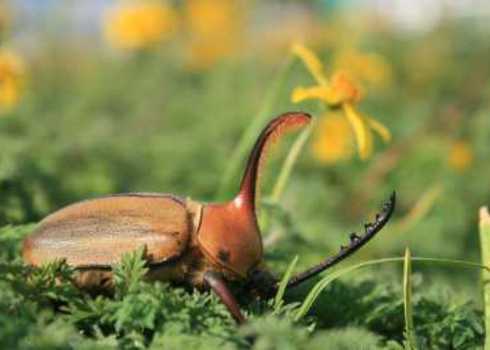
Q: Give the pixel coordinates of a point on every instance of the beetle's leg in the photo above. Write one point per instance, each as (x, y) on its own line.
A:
(356, 242)
(216, 282)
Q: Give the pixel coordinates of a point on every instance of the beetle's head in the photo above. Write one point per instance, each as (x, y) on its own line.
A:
(229, 234)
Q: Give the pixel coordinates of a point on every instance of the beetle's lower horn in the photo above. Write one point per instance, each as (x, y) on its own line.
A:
(356, 242)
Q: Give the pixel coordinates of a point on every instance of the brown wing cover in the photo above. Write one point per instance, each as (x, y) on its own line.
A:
(95, 233)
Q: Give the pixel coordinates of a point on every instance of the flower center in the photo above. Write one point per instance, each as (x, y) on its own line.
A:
(345, 87)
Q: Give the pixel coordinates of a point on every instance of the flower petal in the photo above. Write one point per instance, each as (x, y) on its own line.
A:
(323, 93)
(379, 128)
(301, 93)
(333, 139)
(312, 63)
(364, 138)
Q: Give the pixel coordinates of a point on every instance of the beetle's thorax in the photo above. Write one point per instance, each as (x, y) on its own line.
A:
(229, 236)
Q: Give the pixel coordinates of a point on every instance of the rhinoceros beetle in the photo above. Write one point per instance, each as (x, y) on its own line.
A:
(205, 245)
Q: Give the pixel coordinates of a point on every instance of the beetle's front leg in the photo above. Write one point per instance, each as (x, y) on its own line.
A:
(216, 282)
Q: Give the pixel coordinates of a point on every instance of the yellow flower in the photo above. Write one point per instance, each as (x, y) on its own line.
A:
(214, 29)
(11, 79)
(333, 139)
(341, 91)
(139, 25)
(369, 68)
(460, 156)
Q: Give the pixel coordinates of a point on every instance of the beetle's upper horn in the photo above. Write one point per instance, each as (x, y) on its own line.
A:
(229, 234)
(274, 130)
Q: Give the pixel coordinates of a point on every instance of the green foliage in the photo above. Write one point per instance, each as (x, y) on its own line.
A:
(377, 306)
(140, 311)
(41, 309)
(271, 332)
(11, 239)
(35, 302)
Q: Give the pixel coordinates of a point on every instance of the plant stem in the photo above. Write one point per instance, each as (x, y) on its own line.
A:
(250, 134)
(407, 301)
(485, 259)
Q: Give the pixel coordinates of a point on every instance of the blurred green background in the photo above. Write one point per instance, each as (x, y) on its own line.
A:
(104, 97)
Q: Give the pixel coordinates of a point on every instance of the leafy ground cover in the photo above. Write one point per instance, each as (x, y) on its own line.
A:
(91, 119)
(42, 309)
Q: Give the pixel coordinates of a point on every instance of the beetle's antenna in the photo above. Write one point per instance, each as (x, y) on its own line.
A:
(275, 129)
(356, 242)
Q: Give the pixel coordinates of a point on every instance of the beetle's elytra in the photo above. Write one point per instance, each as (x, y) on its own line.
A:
(202, 244)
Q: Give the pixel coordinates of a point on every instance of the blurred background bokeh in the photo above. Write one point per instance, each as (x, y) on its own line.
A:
(100, 97)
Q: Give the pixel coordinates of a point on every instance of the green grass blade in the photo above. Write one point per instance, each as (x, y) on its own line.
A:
(249, 136)
(407, 301)
(323, 283)
(283, 284)
(485, 258)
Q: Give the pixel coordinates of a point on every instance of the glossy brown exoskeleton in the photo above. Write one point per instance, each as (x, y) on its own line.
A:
(202, 244)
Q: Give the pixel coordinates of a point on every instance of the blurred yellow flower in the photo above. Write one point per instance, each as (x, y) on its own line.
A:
(139, 25)
(214, 29)
(365, 67)
(11, 79)
(460, 156)
(340, 91)
(333, 139)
